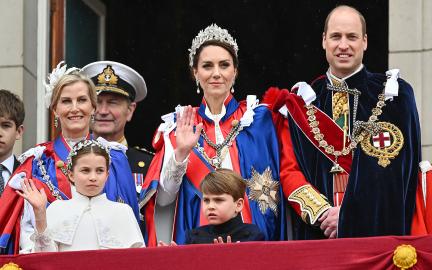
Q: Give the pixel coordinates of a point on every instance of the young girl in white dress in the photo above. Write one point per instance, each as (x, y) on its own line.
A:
(89, 220)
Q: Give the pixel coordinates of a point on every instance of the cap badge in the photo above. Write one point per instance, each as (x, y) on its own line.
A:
(108, 76)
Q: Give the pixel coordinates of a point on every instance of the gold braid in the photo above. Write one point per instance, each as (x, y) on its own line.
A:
(339, 104)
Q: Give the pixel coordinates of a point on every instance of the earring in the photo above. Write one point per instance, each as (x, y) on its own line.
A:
(198, 88)
(232, 88)
(92, 118)
(56, 121)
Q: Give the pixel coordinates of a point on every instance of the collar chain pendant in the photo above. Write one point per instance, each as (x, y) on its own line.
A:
(221, 148)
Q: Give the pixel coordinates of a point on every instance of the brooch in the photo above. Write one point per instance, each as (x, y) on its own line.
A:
(264, 190)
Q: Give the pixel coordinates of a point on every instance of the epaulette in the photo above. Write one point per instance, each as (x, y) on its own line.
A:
(142, 149)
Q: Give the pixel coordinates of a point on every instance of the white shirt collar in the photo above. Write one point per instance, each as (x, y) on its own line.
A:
(9, 163)
(216, 117)
(344, 78)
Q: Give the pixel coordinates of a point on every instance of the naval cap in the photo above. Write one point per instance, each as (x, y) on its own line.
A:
(114, 77)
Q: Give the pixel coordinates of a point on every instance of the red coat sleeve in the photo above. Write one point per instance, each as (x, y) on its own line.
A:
(422, 219)
(301, 195)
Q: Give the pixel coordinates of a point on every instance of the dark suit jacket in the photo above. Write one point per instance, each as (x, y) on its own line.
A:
(234, 227)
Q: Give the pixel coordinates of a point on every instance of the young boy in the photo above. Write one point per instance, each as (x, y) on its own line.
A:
(11, 129)
(222, 202)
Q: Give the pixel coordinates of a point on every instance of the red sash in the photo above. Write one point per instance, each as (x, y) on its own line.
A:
(332, 134)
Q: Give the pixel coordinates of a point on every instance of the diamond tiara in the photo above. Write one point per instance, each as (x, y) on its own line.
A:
(212, 32)
(80, 145)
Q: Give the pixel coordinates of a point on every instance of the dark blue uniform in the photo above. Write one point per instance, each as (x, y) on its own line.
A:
(139, 160)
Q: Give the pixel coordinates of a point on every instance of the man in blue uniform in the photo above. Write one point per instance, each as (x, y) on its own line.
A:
(119, 88)
(358, 140)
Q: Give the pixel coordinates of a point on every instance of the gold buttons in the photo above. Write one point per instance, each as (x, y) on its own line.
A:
(141, 164)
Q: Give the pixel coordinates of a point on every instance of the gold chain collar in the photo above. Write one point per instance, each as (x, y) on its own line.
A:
(358, 136)
(222, 148)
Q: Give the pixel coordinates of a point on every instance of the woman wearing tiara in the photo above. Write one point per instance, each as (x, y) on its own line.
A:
(222, 133)
(72, 98)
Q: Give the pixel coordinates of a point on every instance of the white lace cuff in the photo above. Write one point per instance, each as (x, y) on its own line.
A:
(171, 179)
(43, 241)
(174, 171)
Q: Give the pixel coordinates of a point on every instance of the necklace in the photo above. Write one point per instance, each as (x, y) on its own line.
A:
(360, 131)
(221, 148)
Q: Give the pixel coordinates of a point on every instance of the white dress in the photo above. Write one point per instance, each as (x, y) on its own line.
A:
(83, 223)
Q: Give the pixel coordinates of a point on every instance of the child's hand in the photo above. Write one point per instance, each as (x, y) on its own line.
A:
(37, 198)
(163, 244)
(219, 240)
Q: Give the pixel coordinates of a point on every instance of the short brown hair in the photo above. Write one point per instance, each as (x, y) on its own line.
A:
(362, 19)
(224, 181)
(12, 107)
(69, 79)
